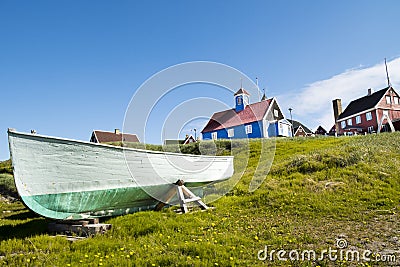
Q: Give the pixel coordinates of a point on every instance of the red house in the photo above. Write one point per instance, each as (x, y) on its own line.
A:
(371, 113)
(116, 136)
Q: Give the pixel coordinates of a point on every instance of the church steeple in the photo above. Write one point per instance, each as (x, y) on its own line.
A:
(264, 97)
(242, 99)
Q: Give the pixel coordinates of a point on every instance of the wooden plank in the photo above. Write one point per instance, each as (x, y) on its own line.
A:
(79, 229)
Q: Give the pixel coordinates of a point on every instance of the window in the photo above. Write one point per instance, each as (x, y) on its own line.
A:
(358, 119)
(276, 113)
(388, 99)
(239, 100)
(214, 135)
(343, 124)
(249, 129)
(369, 116)
(349, 122)
(370, 129)
(231, 132)
(396, 100)
(386, 112)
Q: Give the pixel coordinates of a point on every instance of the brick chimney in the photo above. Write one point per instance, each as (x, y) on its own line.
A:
(337, 110)
(117, 131)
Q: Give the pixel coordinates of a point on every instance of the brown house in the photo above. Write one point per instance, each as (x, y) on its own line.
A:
(321, 131)
(374, 112)
(116, 136)
(300, 129)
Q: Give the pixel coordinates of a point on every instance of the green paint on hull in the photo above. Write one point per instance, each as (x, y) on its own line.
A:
(90, 204)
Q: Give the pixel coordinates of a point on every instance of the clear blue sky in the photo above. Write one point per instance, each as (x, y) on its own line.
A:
(68, 67)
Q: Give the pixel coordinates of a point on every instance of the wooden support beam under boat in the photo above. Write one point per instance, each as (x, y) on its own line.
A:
(184, 196)
(82, 228)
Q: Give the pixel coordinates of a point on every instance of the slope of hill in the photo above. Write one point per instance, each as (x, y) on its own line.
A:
(320, 193)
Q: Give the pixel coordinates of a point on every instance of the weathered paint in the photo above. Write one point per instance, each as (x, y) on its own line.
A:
(61, 178)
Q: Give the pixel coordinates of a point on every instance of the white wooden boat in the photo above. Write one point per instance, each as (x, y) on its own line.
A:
(68, 179)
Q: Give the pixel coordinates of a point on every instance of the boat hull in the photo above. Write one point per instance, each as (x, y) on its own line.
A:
(68, 179)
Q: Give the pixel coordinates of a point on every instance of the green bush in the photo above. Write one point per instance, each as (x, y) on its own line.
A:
(5, 167)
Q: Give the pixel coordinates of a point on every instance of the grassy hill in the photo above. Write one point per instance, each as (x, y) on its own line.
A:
(318, 191)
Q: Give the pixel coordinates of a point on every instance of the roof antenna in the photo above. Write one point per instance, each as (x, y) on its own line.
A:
(241, 83)
(387, 74)
(258, 89)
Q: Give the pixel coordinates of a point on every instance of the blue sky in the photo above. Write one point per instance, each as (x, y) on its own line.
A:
(68, 67)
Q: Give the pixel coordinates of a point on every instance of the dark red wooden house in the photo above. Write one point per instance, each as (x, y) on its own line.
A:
(374, 112)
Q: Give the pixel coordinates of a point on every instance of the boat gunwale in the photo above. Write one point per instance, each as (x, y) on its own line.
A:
(12, 131)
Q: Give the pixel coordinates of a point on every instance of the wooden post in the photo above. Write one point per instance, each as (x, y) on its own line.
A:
(184, 196)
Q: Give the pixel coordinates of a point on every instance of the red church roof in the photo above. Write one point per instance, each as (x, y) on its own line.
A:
(229, 118)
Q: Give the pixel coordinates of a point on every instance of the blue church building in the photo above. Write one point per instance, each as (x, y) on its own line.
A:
(257, 120)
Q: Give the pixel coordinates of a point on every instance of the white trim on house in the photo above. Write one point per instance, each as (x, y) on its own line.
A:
(298, 130)
(356, 114)
(268, 109)
(248, 128)
(231, 132)
(358, 119)
(265, 122)
(95, 136)
(384, 116)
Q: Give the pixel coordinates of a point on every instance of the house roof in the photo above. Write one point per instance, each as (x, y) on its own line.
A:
(321, 129)
(297, 124)
(105, 137)
(189, 139)
(363, 103)
(241, 91)
(229, 118)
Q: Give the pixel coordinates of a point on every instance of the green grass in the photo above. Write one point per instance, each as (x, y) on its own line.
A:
(317, 190)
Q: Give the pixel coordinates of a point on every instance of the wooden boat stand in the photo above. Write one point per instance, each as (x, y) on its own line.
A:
(185, 196)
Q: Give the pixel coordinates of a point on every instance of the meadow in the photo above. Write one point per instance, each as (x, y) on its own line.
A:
(318, 191)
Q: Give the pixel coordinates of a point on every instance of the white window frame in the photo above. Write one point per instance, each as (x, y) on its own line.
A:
(249, 129)
(214, 135)
(370, 129)
(385, 112)
(350, 121)
(358, 119)
(395, 100)
(231, 132)
(368, 115)
(343, 124)
(388, 99)
(276, 113)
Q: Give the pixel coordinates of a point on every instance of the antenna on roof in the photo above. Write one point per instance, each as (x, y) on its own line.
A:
(387, 74)
(258, 89)
(241, 83)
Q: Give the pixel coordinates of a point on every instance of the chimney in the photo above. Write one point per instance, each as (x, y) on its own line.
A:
(370, 91)
(337, 110)
(117, 131)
